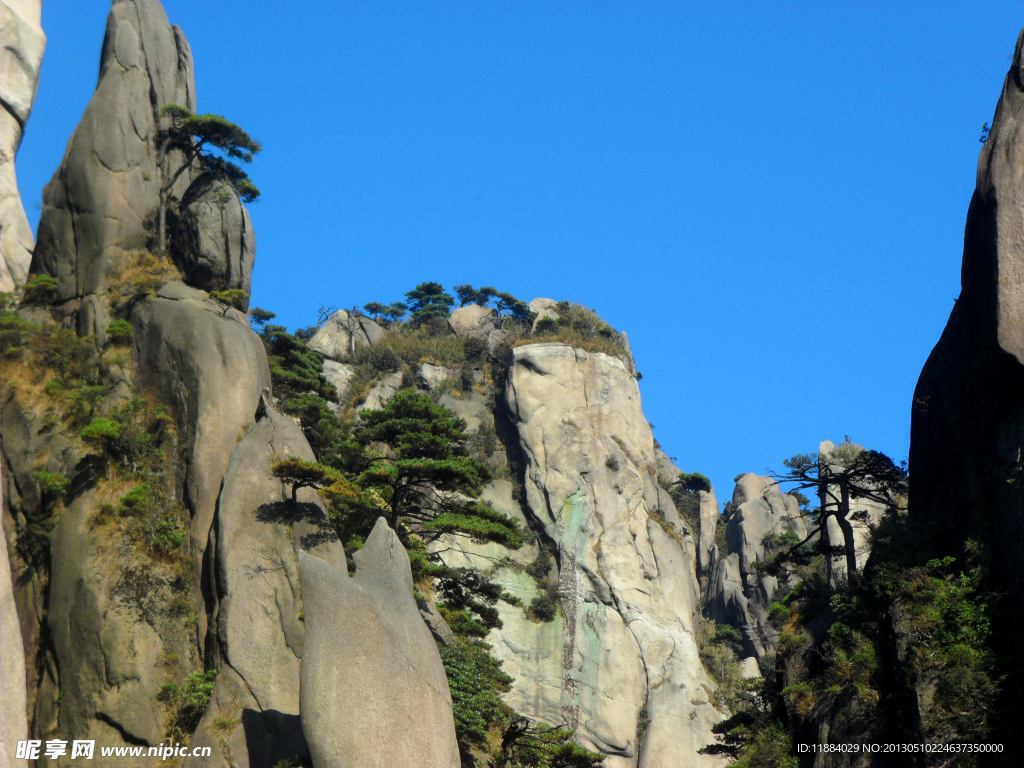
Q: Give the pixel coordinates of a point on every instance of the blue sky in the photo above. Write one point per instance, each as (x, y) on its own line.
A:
(768, 198)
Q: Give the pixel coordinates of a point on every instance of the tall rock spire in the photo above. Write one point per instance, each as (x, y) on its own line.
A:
(21, 53)
(967, 428)
(106, 188)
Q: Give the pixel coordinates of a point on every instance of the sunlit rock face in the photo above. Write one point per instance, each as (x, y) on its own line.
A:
(104, 196)
(21, 53)
(627, 582)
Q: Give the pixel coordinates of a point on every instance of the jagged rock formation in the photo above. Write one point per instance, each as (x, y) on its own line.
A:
(106, 189)
(967, 426)
(343, 331)
(374, 691)
(257, 636)
(21, 53)
(13, 704)
(628, 590)
(738, 594)
(213, 244)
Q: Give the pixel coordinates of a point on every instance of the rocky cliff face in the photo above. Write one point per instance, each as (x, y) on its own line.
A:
(627, 584)
(738, 594)
(968, 414)
(21, 53)
(967, 428)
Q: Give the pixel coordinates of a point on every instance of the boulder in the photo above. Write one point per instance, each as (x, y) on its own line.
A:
(381, 391)
(106, 188)
(627, 579)
(208, 365)
(473, 321)
(213, 244)
(374, 692)
(258, 632)
(13, 699)
(430, 375)
(340, 375)
(543, 305)
(21, 53)
(343, 331)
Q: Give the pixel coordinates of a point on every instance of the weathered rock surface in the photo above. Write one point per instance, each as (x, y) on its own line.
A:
(13, 697)
(21, 53)
(381, 391)
(473, 321)
(257, 633)
(738, 594)
(343, 331)
(214, 245)
(430, 375)
(340, 375)
(628, 588)
(374, 692)
(211, 368)
(106, 188)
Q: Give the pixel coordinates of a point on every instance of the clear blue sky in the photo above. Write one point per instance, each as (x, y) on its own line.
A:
(768, 197)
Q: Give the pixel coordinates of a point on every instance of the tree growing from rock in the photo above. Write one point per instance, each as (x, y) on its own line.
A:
(848, 473)
(300, 473)
(213, 143)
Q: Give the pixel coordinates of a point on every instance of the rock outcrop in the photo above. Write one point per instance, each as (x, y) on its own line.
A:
(343, 331)
(213, 244)
(737, 593)
(474, 321)
(105, 192)
(13, 701)
(627, 584)
(21, 53)
(374, 692)
(209, 366)
(256, 636)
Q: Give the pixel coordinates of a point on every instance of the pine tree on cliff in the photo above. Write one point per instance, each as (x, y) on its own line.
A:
(211, 141)
(849, 472)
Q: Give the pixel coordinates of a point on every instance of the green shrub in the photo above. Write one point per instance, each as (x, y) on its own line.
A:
(51, 484)
(543, 608)
(120, 332)
(40, 288)
(476, 682)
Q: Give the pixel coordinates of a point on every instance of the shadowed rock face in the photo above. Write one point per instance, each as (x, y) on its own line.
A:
(967, 427)
(213, 244)
(374, 692)
(108, 182)
(628, 587)
(968, 420)
(257, 632)
(21, 52)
